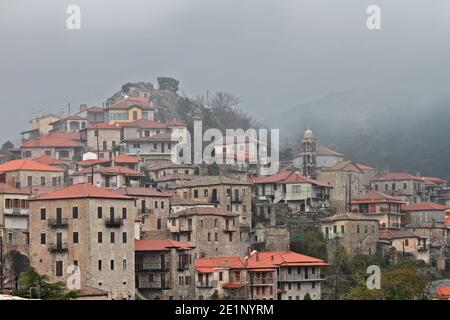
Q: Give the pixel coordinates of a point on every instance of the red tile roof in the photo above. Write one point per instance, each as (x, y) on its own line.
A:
(160, 245)
(393, 176)
(129, 102)
(443, 292)
(287, 177)
(363, 166)
(175, 122)
(374, 197)
(435, 180)
(342, 165)
(425, 206)
(82, 190)
(123, 158)
(52, 140)
(49, 160)
(269, 259)
(27, 165)
(447, 221)
(220, 262)
(5, 188)
(145, 192)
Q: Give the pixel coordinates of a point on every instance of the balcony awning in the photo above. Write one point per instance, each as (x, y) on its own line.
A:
(205, 270)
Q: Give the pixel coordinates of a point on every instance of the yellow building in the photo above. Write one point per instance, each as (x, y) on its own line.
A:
(130, 109)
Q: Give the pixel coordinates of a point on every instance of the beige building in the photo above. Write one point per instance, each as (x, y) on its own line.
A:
(386, 209)
(89, 229)
(411, 189)
(21, 173)
(164, 270)
(102, 138)
(43, 123)
(161, 169)
(212, 231)
(405, 243)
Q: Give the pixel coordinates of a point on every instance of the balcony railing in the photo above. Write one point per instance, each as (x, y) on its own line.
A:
(57, 247)
(58, 223)
(153, 266)
(114, 222)
(154, 285)
(262, 281)
(209, 284)
(299, 277)
(16, 212)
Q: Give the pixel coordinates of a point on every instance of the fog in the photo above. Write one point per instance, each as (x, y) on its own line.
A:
(272, 54)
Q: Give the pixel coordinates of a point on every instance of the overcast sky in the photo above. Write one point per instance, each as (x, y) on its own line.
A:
(269, 53)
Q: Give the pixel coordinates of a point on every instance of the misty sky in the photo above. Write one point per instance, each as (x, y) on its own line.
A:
(271, 54)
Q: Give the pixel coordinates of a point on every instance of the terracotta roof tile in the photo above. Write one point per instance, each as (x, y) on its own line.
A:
(204, 211)
(7, 189)
(27, 165)
(375, 197)
(425, 206)
(123, 158)
(45, 159)
(393, 176)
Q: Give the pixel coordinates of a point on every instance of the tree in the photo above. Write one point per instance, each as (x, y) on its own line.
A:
(404, 284)
(307, 296)
(7, 146)
(361, 292)
(310, 242)
(34, 285)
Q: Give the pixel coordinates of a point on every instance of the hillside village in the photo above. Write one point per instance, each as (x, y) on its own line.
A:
(97, 190)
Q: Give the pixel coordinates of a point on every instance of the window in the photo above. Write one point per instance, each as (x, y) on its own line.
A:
(155, 146)
(296, 189)
(201, 223)
(376, 187)
(158, 223)
(113, 144)
(43, 214)
(220, 276)
(244, 208)
(216, 222)
(105, 145)
(205, 191)
(156, 204)
(75, 212)
(162, 204)
(29, 181)
(43, 238)
(342, 229)
(195, 193)
(112, 237)
(124, 264)
(209, 236)
(111, 265)
(99, 265)
(313, 285)
(59, 268)
(406, 242)
(216, 237)
(334, 229)
(230, 237)
(64, 155)
(124, 237)
(100, 237)
(405, 186)
(75, 263)
(135, 115)
(42, 181)
(99, 212)
(124, 213)
(357, 228)
(54, 182)
(75, 237)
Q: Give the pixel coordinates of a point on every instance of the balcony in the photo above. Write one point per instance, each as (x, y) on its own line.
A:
(154, 285)
(114, 222)
(153, 267)
(236, 200)
(207, 284)
(16, 212)
(57, 247)
(58, 223)
(214, 200)
(299, 277)
(186, 228)
(262, 281)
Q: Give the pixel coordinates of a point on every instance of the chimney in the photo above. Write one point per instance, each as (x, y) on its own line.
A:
(83, 107)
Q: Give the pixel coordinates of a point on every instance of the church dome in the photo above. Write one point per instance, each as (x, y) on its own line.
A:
(308, 134)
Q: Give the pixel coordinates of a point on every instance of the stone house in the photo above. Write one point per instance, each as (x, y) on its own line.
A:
(387, 209)
(23, 172)
(164, 270)
(102, 138)
(153, 208)
(166, 168)
(89, 229)
(212, 231)
(405, 243)
(42, 123)
(178, 204)
(109, 177)
(170, 181)
(73, 123)
(411, 189)
(347, 180)
(356, 233)
(300, 193)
